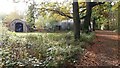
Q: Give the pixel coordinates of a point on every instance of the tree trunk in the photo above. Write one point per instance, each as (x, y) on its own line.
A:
(119, 21)
(108, 26)
(76, 19)
(94, 24)
(88, 16)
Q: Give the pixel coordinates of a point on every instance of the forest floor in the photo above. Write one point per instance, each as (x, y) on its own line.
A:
(103, 51)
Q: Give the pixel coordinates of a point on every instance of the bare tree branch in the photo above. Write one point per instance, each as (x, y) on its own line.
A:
(83, 10)
(83, 17)
(57, 11)
(95, 3)
(66, 14)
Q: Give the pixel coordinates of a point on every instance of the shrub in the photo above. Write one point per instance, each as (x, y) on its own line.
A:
(87, 37)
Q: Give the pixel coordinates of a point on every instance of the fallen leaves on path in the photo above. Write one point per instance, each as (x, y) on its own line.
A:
(104, 51)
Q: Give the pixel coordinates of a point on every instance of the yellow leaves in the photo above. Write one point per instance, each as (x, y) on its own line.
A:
(56, 10)
(115, 6)
(81, 0)
(58, 17)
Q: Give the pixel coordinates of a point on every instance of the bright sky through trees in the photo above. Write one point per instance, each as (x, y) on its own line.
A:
(7, 6)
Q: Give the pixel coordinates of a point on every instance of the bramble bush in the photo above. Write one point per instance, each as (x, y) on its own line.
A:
(40, 49)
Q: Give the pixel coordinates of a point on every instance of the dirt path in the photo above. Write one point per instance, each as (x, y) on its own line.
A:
(104, 51)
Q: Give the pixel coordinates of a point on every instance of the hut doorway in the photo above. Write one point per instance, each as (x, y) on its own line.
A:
(18, 27)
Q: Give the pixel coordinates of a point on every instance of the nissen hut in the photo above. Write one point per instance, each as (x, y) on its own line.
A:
(18, 25)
